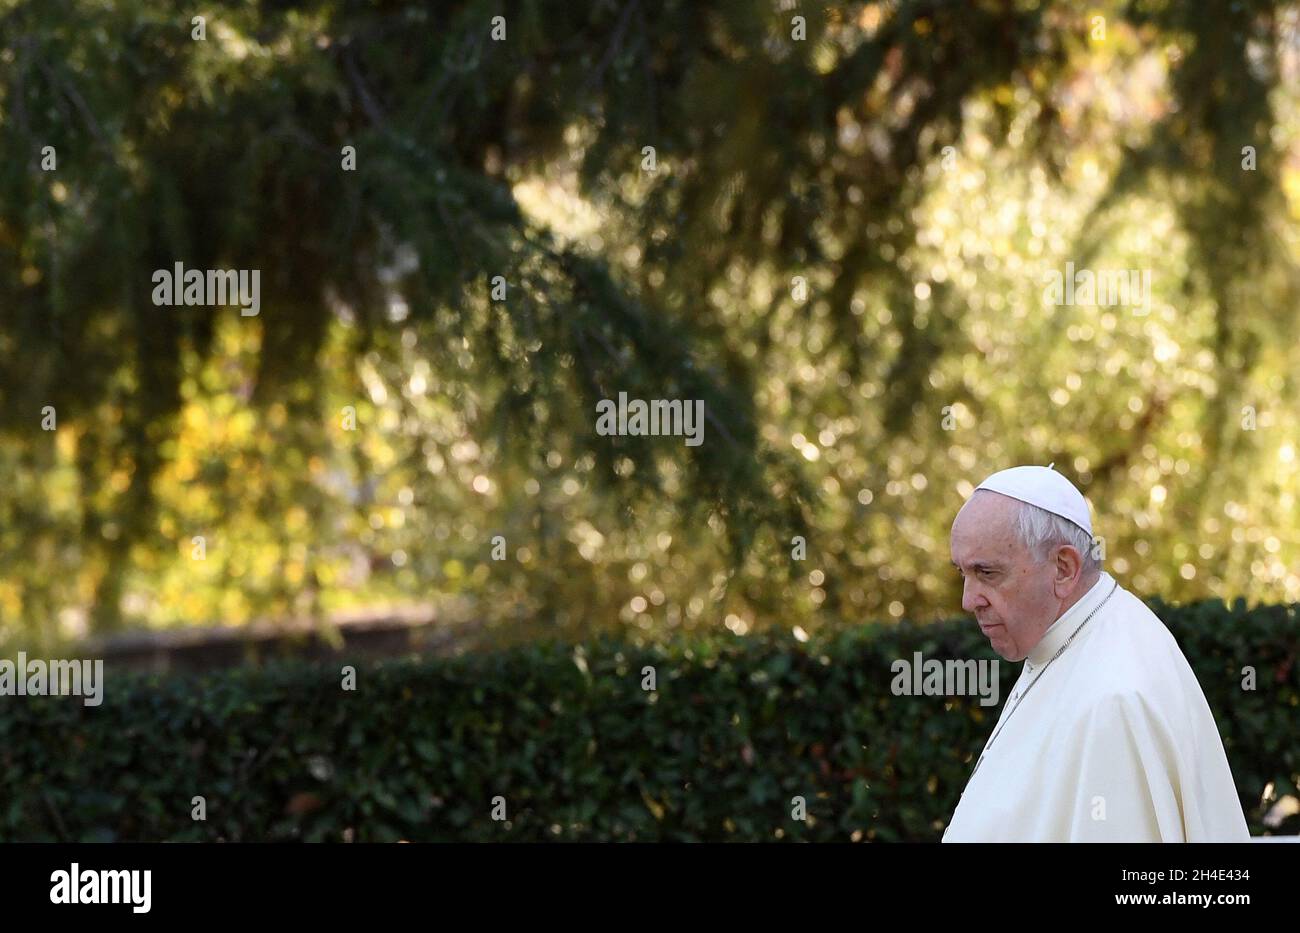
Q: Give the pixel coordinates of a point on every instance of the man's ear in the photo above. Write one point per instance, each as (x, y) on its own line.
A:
(1069, 567)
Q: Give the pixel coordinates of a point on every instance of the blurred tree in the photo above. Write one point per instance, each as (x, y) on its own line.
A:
(916, 166)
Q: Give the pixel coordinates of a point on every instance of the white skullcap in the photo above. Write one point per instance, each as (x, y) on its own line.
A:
(1045, 488)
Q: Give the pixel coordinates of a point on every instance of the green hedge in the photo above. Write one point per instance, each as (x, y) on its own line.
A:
(734, 730)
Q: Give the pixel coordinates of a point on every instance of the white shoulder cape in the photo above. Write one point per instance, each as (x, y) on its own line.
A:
(1115, 743)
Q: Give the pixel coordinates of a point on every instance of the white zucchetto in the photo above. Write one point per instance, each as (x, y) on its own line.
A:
(1045, 488)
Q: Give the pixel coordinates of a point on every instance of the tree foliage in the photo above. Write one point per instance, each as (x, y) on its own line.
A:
(824, 158)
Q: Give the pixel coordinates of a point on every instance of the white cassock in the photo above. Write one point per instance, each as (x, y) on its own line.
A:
(1114, 744)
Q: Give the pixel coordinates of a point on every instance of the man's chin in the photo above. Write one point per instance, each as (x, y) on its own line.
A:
(1010, 655)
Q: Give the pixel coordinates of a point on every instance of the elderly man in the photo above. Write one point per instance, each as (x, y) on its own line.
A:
(1106, 735)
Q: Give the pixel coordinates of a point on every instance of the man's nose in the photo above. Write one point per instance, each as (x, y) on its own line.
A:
(971, 598)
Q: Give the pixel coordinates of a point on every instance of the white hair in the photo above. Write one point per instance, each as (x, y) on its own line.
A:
(1040, 531)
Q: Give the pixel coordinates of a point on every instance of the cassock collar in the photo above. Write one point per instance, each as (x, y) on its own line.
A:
(1060, 630)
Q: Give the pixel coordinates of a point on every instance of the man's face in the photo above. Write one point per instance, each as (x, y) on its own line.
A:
(1010, 593)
